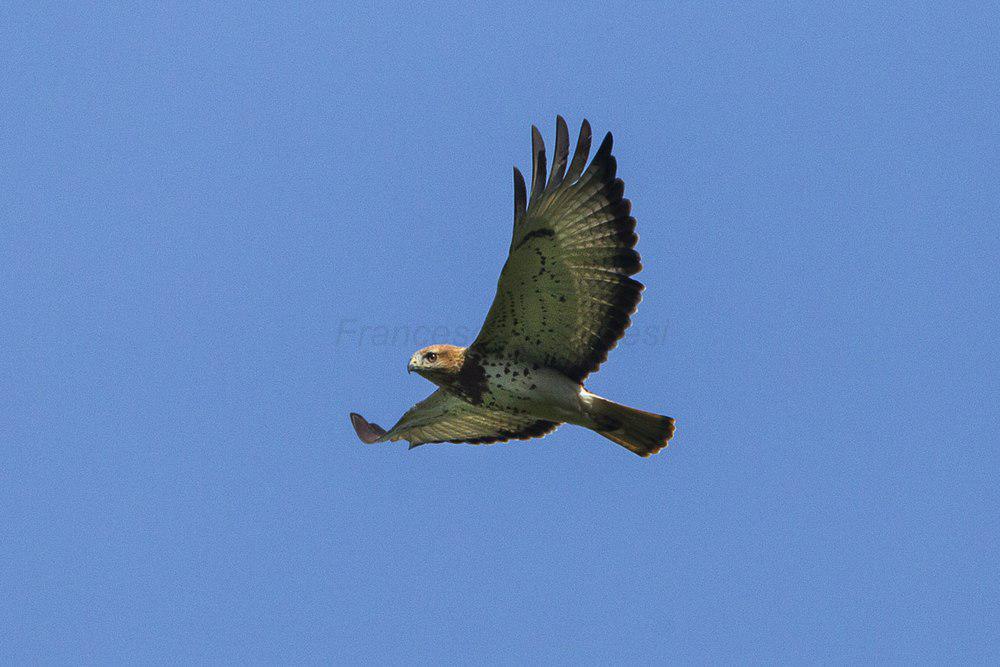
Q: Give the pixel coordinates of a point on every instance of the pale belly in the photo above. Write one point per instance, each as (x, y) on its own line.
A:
(539, 392)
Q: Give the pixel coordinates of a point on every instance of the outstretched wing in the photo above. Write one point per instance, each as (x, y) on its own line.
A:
(565, 297)
(443, 417)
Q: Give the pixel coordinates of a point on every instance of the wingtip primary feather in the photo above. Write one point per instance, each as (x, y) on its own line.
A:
(582, 152)
(537, 162)
(367, 431)
(560, 154)
(520, 195)
(605, 148)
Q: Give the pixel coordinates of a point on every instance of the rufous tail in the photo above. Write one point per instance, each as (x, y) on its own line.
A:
(641, 432)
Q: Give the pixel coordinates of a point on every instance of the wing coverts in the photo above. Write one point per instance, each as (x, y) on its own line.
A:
(565, 295)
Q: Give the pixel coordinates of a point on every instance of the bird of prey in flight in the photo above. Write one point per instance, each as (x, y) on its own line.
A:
(564, 299)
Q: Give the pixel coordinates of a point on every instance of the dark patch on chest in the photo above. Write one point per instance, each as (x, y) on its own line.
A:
(471, 380)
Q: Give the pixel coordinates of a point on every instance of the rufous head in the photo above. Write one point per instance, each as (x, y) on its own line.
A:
(437, 362)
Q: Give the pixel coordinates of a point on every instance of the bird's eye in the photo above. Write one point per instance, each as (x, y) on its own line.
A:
(431, 357)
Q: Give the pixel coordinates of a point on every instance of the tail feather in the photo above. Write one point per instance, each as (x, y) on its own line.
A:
(641, 432)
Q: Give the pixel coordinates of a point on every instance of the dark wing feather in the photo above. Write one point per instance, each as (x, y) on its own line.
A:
(565, 295)
(443, 417)
(520, 195)
(561, 153)
(582, 151)
(537, 163)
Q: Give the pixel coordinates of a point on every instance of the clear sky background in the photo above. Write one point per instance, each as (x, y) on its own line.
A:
(223, 227)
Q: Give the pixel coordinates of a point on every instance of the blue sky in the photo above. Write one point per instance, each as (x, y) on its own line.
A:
(222, 225)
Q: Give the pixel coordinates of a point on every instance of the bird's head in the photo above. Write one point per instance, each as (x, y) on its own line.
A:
(437, 363)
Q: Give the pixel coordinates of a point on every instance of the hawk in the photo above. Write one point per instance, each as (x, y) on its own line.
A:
(564, 299)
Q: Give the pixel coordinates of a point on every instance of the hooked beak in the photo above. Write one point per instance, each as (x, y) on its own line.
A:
(410, 367)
